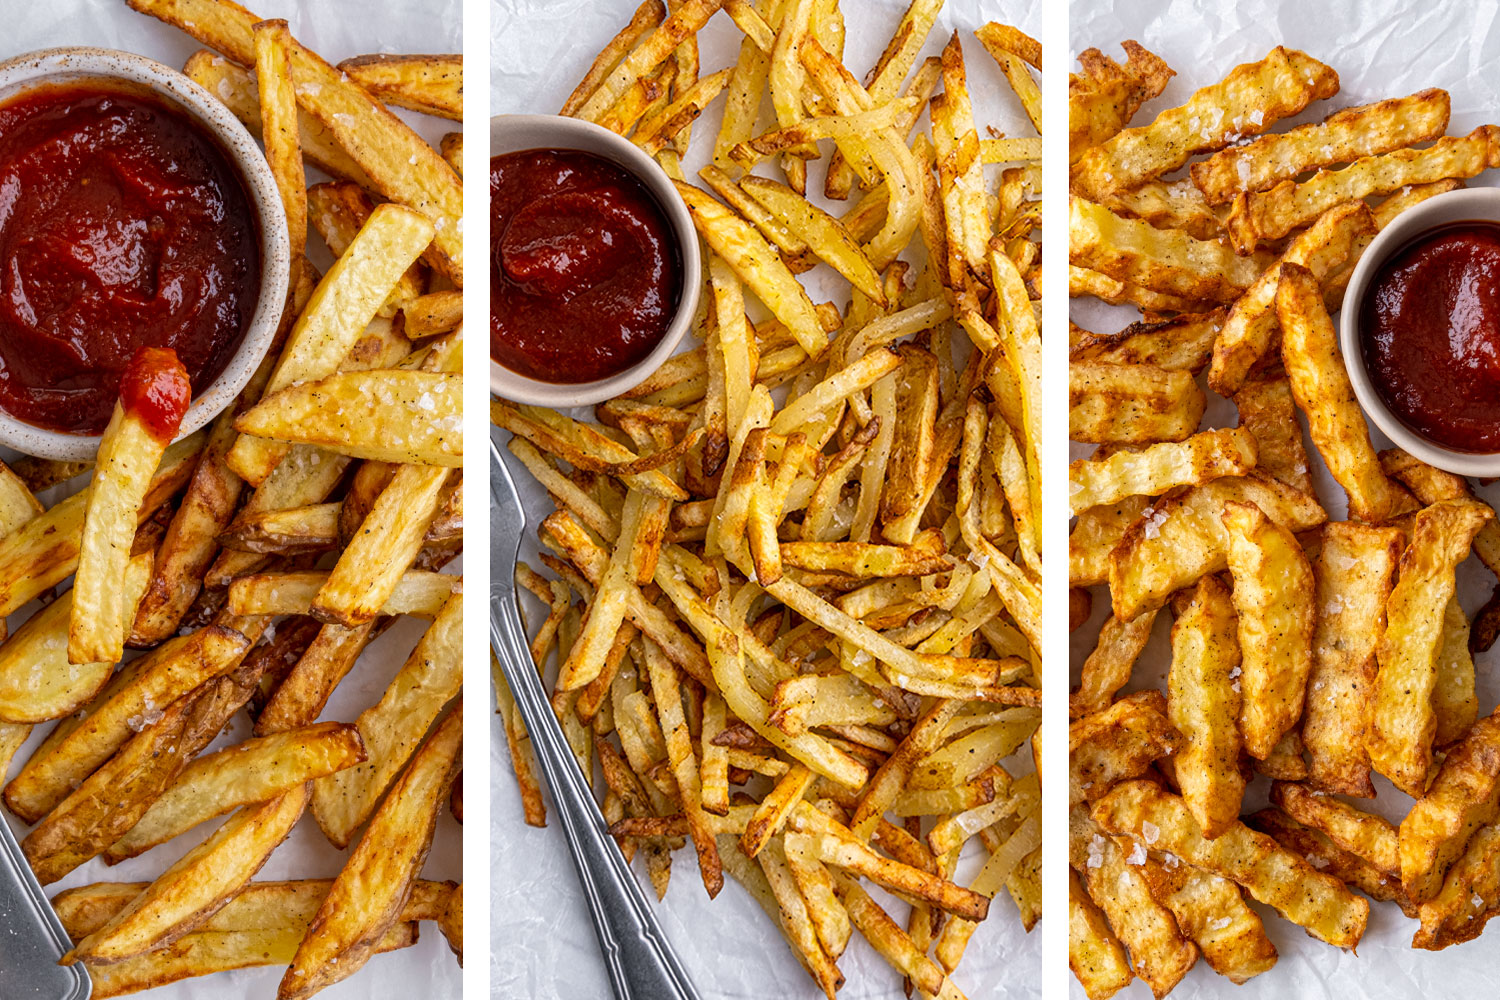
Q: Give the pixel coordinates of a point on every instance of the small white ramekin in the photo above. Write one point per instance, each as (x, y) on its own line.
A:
(77, 64)
(512, 133)
(1480, 204)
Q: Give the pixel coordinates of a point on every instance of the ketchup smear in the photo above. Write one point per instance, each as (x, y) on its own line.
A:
(154, 388)
(584, 277)
(1430, 332)
(122, 225)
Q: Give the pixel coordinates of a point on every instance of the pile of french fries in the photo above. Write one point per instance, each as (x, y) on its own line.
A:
(255, 561)
(795, 603)
(1315, 652)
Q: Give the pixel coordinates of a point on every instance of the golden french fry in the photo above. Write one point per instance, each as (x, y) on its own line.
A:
(1464, 795)
(430, 84)
(1131, 404)
(1159, 468)
(1204, 703)
(1103, 99)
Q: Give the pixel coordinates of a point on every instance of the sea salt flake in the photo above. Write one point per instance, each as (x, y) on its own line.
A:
(1137, 856)
(1150, 831)
(1096, 852)
(1219, 924)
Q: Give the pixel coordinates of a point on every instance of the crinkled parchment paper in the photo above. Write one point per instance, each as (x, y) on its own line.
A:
(337, 29)
(1380, 49)
(543, 946)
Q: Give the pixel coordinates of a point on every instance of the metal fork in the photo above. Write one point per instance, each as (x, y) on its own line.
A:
(641, 964)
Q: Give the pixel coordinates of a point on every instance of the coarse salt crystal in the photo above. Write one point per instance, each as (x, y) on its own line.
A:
(1096, 852)
(1149, 831)
(1137, 856)
(1219, 924)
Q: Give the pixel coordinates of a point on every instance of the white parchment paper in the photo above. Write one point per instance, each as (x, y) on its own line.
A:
(543, 946)
(1380, 48)
(336, 29)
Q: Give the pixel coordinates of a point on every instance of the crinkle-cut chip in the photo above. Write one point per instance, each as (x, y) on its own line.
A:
(1183, 539)
(1321, 387)
(1464, 796)
(1213, 913)
(1204, 705)
(1273, 596)
(1336, 283)
(1158, 951)
(1094, 953)
(1267, 411)
(1402, 721)
(1273, 875)
(1251, 329)
(1095, 534)
(1270, 215)
(1105, 96)
(1342, 137)
(1171, 205)
(1252, 98)
(1454, 701)
(1118, 743)
(1131, 404)
(1367, 835)
(1160, 467)
(1183, 343)
(1469, 898)
(1109, 666)
(1429, 485)
(1330, 859)
(1135, 251)
(1085, 281)
(1354, 569)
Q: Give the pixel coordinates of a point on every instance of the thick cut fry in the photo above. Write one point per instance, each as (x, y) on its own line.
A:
(1109, 666)
(430, 84)
(1470, 896)
(1343, 137)
(1317, 902)
(1250, 332)
(1326, 856)
(1204, 705)
(1211, 912)
(392, 729)
(1094, 953)
(1454, 702)
(1181, 343)
(370, 893)
(154, 396)
(1273, 593)
(279, 131)
(1160, 467)
(1134, 251)
(257, 770)
(1103, 99)
(420, 592)
(1131, 404)
(389, 416)
(1267, 411)
(1464, 796)
(1118, 743)
(1321, 386)
(1402, 722)
(197, 886)
(1095, 534)
(1183, 538)
(1364, 834)
(1252, 98)
(1355, 569)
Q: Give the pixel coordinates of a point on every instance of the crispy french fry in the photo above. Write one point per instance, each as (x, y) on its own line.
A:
(1205, 706)
(430, 84)
(1160, 467)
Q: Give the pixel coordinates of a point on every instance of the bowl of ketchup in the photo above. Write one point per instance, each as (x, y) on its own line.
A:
(135, 212)
(1420, 331)
(594, 263)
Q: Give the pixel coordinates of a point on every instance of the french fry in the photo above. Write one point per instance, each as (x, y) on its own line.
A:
(1204, 704)
(370, 893)
(433, 85)
(1212, 914)
(1464, 795)
(1181, 343)
(1108, 668)
(1103, 99)
(1272, 875)
(154, 395)
(1363, 834)
(1267, 410)
(279, 129)
(1160, 467)
(1131, 404)
(419, 592)
(1402, 722)
(1094, 952)
(1117, 743)
(1326, 856)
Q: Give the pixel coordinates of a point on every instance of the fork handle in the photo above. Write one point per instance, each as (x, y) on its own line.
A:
(641, 964)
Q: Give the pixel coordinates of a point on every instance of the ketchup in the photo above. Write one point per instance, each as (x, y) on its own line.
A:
(1430, 332)
(122, 225)
(584, 276)
(154, 389)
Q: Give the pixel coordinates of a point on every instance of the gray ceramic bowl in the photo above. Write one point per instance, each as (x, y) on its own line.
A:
(79, 63)
(1470, 204)
(511, 133)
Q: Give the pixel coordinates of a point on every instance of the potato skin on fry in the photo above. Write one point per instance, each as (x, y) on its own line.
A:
(1204, 705)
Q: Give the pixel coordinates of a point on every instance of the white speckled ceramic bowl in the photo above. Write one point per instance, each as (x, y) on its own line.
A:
(80, 63)
(1480, 204)
(512, 133)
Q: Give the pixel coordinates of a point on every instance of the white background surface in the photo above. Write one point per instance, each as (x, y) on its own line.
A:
(336, 29)
(543, 945)
(1380, 50)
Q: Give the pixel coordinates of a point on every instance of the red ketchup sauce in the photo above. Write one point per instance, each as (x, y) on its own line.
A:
(122, 225)
(154, 388)
(584, 274)
(1430, 332)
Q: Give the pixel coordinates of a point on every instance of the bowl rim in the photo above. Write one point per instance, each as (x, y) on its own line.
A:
(1485, 205)
(82, 62)
(518, 388)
